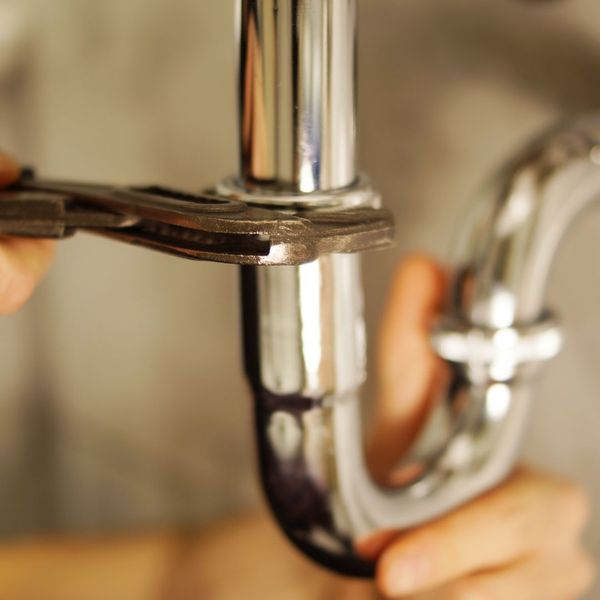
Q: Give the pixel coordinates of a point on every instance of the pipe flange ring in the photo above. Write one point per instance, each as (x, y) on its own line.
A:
(501, 350)
(359, 194)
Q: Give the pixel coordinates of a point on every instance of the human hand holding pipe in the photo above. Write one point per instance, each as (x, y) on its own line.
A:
(521, 540)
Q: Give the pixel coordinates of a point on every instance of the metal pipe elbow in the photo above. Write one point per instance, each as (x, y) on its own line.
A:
(305, 359)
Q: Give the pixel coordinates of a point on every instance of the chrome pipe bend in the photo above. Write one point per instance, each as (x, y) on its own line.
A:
(304, 334)
(305, 359)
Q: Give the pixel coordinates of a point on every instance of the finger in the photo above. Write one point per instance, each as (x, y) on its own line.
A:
(408, 370)
(9, 170)
(23, 262)
(531, 511)
(559, 576)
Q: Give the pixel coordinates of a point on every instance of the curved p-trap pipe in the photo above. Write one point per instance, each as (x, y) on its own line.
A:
(303, 326)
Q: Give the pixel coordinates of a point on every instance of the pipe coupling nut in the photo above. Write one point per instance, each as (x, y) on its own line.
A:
(499, 351)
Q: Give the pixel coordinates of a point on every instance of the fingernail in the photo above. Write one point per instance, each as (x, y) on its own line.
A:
(408, 574)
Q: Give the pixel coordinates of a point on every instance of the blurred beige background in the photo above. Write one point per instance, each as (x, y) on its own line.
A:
(123, 402)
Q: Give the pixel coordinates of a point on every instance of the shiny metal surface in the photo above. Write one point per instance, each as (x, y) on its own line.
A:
(501, 351)
(297, 83)
(303, 326)
(358, 194)
(505, 248)
(305, 357)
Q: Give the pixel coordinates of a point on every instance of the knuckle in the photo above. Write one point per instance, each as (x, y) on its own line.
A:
(15, 289)
(472, 590)
(519, 524)
(586, 573)
(453, 546)
(575, 506)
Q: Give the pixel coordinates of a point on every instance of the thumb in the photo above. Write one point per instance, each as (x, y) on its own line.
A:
(408, 372)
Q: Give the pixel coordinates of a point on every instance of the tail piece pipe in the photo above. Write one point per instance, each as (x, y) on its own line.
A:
(304, 330)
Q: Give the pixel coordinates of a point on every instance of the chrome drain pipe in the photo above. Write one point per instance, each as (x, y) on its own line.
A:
(304, 332)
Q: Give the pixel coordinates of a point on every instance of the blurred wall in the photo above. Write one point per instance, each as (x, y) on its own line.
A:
(123, 401)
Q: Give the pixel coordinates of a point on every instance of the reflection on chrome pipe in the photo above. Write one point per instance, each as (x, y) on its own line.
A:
(305, 361)
(297, 84)
(507, 246)
(309, 428)
(304, 331)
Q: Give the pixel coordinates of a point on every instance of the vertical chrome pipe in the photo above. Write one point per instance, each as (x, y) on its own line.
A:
(297, 94)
